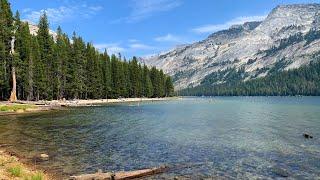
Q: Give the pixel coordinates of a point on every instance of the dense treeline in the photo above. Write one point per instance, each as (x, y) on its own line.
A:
(302, 81)
(41, 67)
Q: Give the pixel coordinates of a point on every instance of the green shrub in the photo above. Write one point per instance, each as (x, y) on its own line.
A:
(38, 176)
(15, 107)
(15, 171)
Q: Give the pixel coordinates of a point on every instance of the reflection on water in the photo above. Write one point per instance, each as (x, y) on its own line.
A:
(234, 137)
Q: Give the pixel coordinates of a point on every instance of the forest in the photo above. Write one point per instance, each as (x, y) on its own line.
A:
(40, 67)
(302, 81)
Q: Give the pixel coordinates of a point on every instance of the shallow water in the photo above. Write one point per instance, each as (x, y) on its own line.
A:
(233, 137)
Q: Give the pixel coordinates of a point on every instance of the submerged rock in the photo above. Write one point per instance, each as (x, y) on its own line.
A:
(307, 136)
(44, 156)
(41, 157)
(280, 172)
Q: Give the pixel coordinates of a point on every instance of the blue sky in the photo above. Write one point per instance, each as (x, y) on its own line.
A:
(145, 27)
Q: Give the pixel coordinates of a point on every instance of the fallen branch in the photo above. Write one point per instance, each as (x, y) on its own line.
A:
(121, 175)
(41, 103)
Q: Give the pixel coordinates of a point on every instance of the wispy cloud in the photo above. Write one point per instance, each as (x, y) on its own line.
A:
(55, 15)
(140, 46)
(112, 48)
(169, 38)
(211, 28)
(142, 9)
(115, 48)
(62, 13)
(26, 10)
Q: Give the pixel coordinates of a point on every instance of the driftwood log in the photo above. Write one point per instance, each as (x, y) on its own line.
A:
(31, 102)
(121, 175)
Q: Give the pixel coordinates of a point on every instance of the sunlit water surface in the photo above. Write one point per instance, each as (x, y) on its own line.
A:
(232, 137)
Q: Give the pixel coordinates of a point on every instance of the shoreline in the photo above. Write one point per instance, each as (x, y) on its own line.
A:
(9, 159)
(43, 106)
(13, 167)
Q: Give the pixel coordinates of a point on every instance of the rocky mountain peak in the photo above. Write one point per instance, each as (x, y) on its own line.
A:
(285, 37)
(299, 15)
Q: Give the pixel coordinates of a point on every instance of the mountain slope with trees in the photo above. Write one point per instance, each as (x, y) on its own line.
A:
(302, 81)
(39, 67)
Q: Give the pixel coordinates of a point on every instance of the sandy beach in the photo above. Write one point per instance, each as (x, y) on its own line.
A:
(19, 107)
(73, 103)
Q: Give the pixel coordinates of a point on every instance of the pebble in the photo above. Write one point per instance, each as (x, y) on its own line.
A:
(44, 157)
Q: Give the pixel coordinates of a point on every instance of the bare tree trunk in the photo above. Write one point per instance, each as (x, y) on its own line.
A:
(13, 96)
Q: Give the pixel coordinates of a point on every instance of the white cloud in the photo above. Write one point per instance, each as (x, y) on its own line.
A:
(142, 9)
(26, 10)
(140, 46)
(211, 28)
(95, 8)
(115, 48)
(112, 48)
(54, 15)
(62, 13)
(169, 38)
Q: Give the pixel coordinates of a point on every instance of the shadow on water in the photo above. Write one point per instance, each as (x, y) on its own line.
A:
(232, 137)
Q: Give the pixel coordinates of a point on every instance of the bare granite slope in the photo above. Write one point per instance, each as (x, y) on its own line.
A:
(254, 46)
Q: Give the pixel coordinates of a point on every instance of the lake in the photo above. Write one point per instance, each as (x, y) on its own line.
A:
(232, 137)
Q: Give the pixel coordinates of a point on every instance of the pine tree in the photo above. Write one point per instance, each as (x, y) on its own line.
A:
(3, 69)
(39, 70)
(122, 78)
(65, 65)
(15, 57)
(140, 81)
(94, 73)
(8, 29)
(90, 68)
(45, 41)
(134, 77)
(161, 84)
(169, 89)
(127, 82)
(60, 67)
(77, 69)
(115, 74)
(106, 71)
(148, 88)
(155, 79)
(25, 64)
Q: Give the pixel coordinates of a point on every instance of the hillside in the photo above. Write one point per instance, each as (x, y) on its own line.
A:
(287, 39)
(301, 81)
